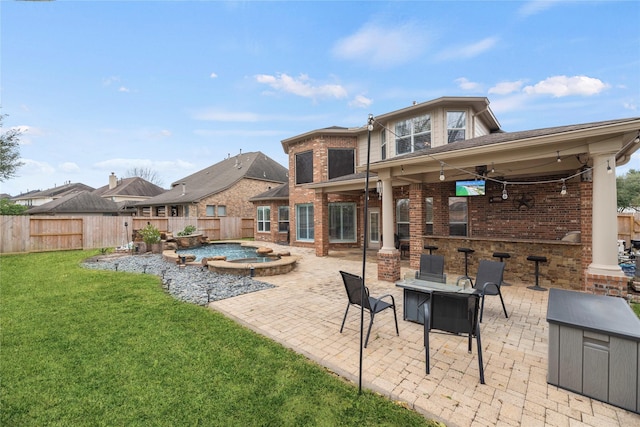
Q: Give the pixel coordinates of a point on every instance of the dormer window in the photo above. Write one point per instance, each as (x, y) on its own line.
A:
(413, 134)
(456, 126)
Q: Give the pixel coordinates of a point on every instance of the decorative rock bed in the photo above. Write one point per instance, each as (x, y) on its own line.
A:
(282, 263)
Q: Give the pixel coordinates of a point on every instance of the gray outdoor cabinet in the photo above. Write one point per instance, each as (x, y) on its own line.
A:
(594, 347)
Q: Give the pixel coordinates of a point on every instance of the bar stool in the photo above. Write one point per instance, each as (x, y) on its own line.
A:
(537, 259)
(431, 248)
(466, 252)
(502, 256)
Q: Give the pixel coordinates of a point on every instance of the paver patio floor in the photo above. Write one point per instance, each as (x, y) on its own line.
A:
(305, 309)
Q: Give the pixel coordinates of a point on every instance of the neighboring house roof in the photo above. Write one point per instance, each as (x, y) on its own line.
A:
(54, 192)
(134, 187)
(76, 203)
(220, 177)
(281, 192)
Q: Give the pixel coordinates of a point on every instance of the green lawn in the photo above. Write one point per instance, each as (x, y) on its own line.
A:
(96, 348)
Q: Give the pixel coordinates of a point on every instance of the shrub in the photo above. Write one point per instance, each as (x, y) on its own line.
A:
(150, 234)
(188, 230)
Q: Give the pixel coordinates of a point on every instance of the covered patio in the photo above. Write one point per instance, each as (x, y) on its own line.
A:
(305, 309)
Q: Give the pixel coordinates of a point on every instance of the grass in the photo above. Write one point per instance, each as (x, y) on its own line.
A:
(636, 308)
(85, 347)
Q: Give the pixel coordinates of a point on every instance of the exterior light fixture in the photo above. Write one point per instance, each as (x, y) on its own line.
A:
(441, 171)
(505, 195)
(564, 188)
(609, 170)
(637, 140)
(379, 189)
(370, 123)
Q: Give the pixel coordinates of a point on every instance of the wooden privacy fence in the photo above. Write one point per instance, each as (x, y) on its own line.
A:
(629, 227)
(53, 233)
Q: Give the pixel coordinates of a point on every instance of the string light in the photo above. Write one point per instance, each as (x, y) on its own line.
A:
(564, 188)
(609, 170)
(637, 140)
(493, 169)
(505, 195)
(441, 171)
(558, 159)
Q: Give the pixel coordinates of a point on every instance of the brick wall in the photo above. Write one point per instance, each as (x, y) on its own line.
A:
(298, 194)
(236, 199)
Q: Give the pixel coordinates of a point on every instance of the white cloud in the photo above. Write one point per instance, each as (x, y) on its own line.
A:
(505, 88)
(630, 106)
(213, 76)
(536, 6)
(360, 101)
(34, 167)
(301, 86)
(123, 89)
(69, 167)
(466, 84)
(468, 51)
(559, 86)
(383, 46)
(110, 80)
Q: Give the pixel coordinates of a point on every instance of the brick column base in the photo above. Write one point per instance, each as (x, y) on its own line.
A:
(389, 266)
(600, 284)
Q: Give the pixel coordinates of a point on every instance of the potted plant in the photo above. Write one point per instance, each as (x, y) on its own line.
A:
(151, 237)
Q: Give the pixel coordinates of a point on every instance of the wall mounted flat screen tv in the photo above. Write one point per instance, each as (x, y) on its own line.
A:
(470, 188)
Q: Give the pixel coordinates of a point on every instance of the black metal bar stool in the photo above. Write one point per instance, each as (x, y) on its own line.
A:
(466, 252)
(431, 248)
(537, 259)
(502, 256)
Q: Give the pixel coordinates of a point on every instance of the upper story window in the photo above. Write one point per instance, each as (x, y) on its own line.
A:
(456, 126)
(341, 162)
(383, 144)
(304, 167)
(413, 134)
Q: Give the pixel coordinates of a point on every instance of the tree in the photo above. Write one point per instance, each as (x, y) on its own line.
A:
(9, 152)
(628, 189)
(145, 173)
(9, 208)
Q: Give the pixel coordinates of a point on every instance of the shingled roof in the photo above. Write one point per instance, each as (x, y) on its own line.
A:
(55, 192)
(80, 202)
(502, 137)
(281, 192)
(220, 177)
(134, 187)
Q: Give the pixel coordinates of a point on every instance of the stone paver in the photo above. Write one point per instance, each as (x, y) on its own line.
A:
(305, 309)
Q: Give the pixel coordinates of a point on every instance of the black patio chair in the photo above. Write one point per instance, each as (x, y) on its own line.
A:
(354, 285)
(432, 268)
(488, 281)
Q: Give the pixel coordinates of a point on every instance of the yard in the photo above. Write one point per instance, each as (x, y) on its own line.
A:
(88, 347)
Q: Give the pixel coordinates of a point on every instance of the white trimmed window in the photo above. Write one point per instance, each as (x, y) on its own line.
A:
(264, 219)
(342, 222)
(413, 134)
(456, 126)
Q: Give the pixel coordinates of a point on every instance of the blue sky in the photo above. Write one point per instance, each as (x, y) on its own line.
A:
(106, 86)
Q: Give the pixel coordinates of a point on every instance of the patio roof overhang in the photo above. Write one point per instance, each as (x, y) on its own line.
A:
(502, 156)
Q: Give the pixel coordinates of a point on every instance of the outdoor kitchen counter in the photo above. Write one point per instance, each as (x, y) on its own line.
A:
(594, 347)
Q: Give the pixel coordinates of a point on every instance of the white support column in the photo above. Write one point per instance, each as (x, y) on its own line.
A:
(604, 210)
(387, 217)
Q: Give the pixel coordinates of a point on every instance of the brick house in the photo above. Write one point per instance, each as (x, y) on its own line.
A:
(222, 189)
(535, 191)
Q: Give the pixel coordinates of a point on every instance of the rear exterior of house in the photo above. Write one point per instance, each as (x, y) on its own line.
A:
(528, 189)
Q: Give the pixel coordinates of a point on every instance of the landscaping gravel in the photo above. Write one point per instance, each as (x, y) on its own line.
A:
(192, 284)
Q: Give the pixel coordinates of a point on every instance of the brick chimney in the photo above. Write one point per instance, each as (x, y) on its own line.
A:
(113, 181)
